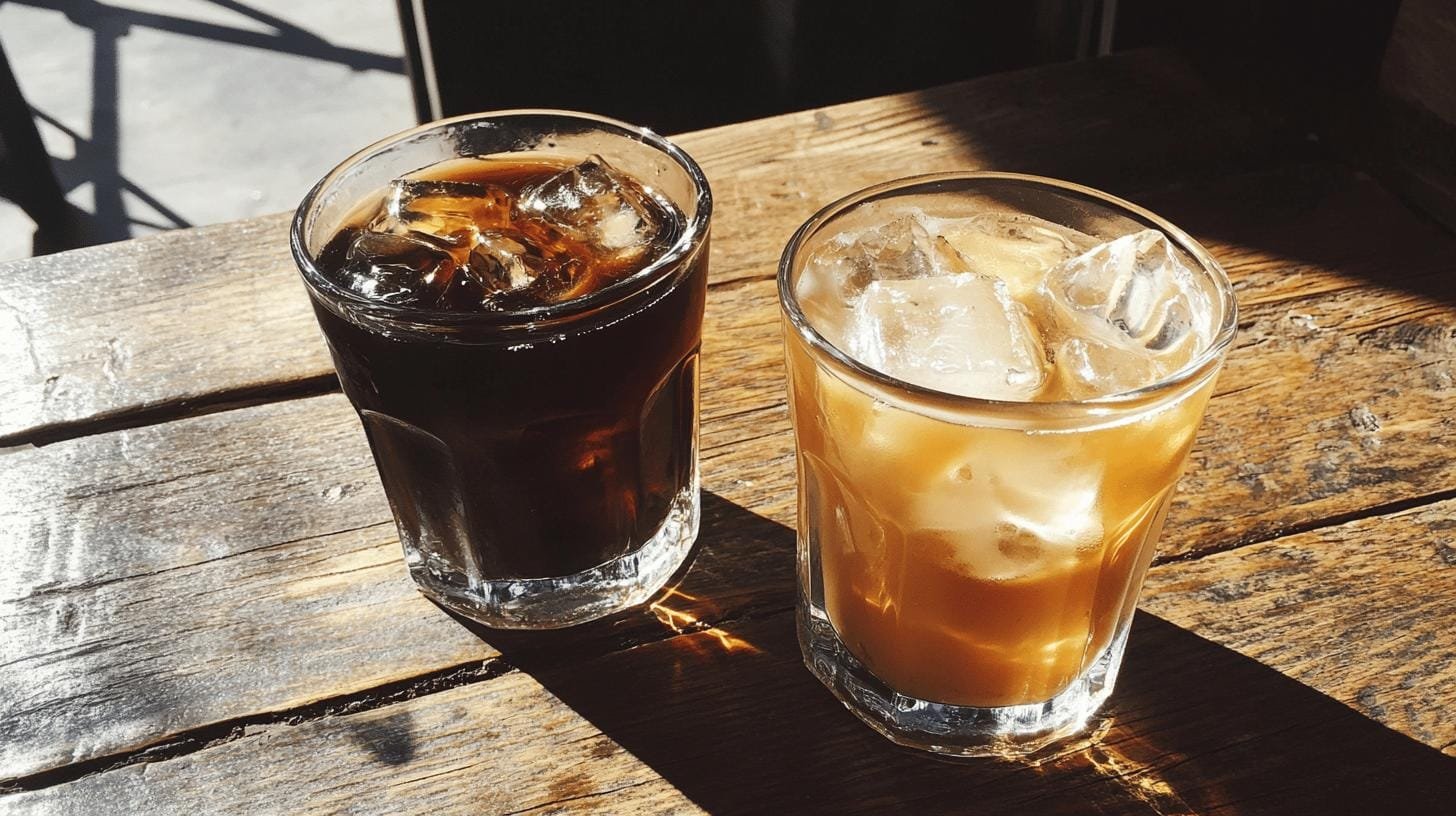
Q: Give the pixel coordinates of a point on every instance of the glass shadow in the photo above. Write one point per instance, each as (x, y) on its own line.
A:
(727, 713)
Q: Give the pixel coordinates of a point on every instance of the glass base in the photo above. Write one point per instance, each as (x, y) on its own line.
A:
(954, 730)
(554, 603)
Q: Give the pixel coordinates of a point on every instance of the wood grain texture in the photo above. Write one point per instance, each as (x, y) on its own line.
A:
(202, 584)
(1332, 403)
(503, 747)
(1348, 324)
(170, 577)
(122, 327)
(69, 356)
(727, 719)
(1360, 611)
(152, 500)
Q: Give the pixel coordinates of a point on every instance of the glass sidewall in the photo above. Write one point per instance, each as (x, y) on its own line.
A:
(933, 654)
(443, 400)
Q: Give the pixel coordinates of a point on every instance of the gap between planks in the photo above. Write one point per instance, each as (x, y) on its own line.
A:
(1310, 525)
(210, 403)
(314, 385)
(473, 672)
(225, 731)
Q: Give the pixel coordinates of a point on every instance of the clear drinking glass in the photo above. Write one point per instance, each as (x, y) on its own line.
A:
(938, 599)
(541, 463)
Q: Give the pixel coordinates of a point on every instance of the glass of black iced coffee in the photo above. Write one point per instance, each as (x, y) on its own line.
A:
(514, 305)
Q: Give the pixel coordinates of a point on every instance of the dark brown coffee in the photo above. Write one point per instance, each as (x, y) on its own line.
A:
(519, 458)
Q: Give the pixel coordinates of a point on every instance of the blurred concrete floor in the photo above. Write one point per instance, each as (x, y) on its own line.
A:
(166, 113)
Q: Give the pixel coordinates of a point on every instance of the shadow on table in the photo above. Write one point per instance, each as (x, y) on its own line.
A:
(96, 162)
(730, 717)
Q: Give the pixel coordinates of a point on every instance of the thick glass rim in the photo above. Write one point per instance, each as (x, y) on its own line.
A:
(535, 317)
(1205, 364)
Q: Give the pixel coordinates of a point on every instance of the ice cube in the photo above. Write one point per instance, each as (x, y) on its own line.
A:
(989, 535)
(1088, 367)
(1015, 247)
(595, 205)
(449, 211)
(837, 273)
(1127, 314)
(505, 260)
(400, 269)
(516, 273)
(900, 249)
(961, 334)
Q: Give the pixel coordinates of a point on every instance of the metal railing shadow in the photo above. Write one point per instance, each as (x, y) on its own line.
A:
(97, 159)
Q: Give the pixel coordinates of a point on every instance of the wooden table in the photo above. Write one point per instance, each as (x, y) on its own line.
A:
(203, 606)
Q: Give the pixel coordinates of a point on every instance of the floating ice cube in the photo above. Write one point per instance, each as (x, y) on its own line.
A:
(449, 211)
(399, 269)
(518, 274)
(837, 272)
(961, 334)
(504, 260)
(595, 205)
(1014, 247)
(1089, 367)
(1128, 313)
(506, 271)
(898, 250)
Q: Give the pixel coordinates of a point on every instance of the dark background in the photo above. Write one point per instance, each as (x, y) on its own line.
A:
(677, 66)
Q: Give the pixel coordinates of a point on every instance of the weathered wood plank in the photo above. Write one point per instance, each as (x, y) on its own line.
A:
(122, 327)
(202, 571)
(729, 719)
(197, 315)
(1194, 728)
(1334, 402)
(146, 501)
(125, 664)
(1360, 611)
(184, 574)
(504, 747)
